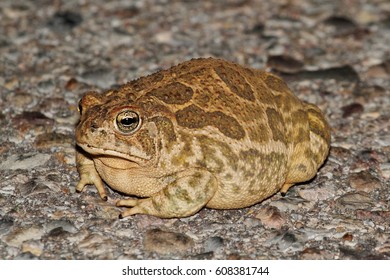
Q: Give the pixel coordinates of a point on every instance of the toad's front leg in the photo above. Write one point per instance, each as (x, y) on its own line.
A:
(88, 174)
(183, 197)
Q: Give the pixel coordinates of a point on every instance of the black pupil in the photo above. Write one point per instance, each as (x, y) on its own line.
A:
(129, 121)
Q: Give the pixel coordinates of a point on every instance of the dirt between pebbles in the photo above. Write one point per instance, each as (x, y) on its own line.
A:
(332, 53)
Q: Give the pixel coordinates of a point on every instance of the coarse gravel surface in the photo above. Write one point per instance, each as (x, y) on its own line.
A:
(332, 53)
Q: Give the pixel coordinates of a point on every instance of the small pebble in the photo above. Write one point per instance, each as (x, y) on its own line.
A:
(58, 232)
(288, 242)
(369, 92)
(12, 84)
(166, 242)
(291, 203)
(213, 243)
(236, 256)
(6, 187)
(364, 181)
(358, 200)
(203, 256)
(46, 86)
(26, 256)
(147, 221)
(72, 84)
(19, 235)
(64, 225)
(164, 37)
(271, 217)
(283, 63)
(251, 222)
(348, 236)
(352, 109)
(314, 254)
(381, 71)
(342, 73)
(345, 225)
(32, 187)
(340, 152)
(64, 21)
(97, 245)
(384, 248)
(379, 217)
(385, 170)
(21, 100)
(32, 120)
(321, 192)
(5, 225)
(102, 78)
(341, 26)
(33, 246)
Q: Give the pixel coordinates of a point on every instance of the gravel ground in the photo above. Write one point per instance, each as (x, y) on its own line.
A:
(332, 53)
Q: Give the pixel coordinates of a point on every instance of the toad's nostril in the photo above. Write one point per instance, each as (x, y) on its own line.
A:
(94, 126)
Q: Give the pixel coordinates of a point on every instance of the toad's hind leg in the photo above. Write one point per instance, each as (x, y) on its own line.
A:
(310, 149)
(181, 198)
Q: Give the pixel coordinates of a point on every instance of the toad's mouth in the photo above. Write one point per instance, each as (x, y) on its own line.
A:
(114, 159)
(116, 163)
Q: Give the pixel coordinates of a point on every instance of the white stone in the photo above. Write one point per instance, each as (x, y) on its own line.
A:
(28, 162)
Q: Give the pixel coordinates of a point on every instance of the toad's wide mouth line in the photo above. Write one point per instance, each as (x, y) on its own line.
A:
(116, 163)
(105, 152)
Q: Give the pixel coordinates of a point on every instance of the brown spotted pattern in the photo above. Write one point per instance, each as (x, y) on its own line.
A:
(194, 117)
(175, 93)
(236, 82)
(211, 134)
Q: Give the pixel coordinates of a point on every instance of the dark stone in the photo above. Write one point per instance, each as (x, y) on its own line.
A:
(341, 25)
(57, 232)
(284, 63)
(204, 256)
(257, 28)
(5, 224)
(213, 243)
(65, 21)
(352, 109)
(26, 256)
(341, 73)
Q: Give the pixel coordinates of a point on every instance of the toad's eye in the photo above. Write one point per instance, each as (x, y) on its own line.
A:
(80, 107)
(127, 122)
